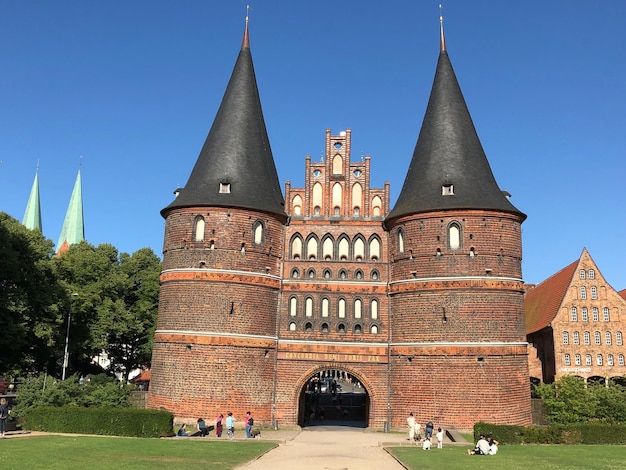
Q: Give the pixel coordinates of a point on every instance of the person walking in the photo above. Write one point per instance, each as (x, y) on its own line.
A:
(219, 425)
(5, 410)
(410, 421)
(230, 425)
(439, 438)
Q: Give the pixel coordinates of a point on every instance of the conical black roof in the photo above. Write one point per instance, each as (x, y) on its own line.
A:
(236, 152)
(448, 153)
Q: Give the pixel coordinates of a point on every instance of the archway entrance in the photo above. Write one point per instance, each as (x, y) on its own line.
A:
(333, 397)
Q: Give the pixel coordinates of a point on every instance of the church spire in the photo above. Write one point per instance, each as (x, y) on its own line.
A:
(235, 167)
(442, 38)
(449, 169)
(32, 215)
(73, 230)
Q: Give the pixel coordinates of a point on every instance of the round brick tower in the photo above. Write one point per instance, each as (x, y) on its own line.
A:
(458, 349)
(215, 343)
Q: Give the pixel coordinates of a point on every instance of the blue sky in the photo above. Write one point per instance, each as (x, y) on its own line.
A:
(133, 87)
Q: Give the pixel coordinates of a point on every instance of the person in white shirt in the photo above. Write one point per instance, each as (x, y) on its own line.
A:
(410, 421)
(439, 438)
(426, 445)
(493, 446)
(482, 447)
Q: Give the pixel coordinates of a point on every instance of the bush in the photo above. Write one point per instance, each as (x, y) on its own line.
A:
(105, 421)
(577, 433)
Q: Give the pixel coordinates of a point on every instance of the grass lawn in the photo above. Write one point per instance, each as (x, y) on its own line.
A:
(63, 452)
(546, 457)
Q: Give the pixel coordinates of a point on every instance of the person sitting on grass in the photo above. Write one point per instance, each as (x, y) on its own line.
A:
(182, 432)
(482, 447)
(426, 445)
(493, 446)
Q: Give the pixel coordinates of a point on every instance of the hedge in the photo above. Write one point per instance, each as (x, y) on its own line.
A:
(579, 433)
(106, 421)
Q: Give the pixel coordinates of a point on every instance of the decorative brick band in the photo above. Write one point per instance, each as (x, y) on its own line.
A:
(215, 340)
(460, 349)
(462, 283)
(236, 277)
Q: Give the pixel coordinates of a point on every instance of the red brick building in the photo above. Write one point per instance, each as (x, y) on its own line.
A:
(575, 321)
(419, 306)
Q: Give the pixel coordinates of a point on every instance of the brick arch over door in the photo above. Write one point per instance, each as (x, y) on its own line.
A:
(311, 372)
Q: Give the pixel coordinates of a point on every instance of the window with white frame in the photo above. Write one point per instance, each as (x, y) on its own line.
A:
(374, 309)
(620, 359)
(454, 236)
(374, 329)
(583, 293)
(618, 338)
(576, 337)
(607, 338)
(594, 314)
(357, 308)
(574, 314)
(587, 338)
(609, 359)
(599, 359)
(567, 360)
(293, 306)
(585, 314)
(325, 307)
(597, 337)
(582, 274)
(588, 361)
(594, 293)
(606, 315)
(565, 337)
(308, 307)
(292, 326)
(577, 359)
(592, 274)
(341, 308)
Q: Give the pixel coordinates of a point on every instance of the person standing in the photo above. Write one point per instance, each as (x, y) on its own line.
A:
(410, 421)
(5, 410)
(230, 425)
(439, 438)
(429, 430)
(249, 422)
(219, 425)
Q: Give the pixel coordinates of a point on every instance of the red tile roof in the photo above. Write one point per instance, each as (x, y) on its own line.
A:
(622, 294)
(144, 376)
(541, 303)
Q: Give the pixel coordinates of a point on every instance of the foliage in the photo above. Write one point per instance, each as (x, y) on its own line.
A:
(32, 300)
(106, 421)
(99, 391)
(569, 400)
(103, 453)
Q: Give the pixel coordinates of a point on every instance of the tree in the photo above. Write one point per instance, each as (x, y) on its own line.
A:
(32, 300)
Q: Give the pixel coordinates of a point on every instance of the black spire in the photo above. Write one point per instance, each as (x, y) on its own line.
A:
(235, 167)
(449, 169)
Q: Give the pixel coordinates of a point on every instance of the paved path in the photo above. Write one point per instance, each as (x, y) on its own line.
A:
(331, 448)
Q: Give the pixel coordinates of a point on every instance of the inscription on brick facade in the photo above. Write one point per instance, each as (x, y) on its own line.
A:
(332, 357)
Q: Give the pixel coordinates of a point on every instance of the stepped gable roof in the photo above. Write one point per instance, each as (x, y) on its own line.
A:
(542, 303)
(236, 155)
(449, 153)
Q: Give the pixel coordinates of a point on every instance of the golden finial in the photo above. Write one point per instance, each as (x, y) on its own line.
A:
(442, 39)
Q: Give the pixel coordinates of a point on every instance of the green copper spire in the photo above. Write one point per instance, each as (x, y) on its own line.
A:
(32, 216)
(73, 230)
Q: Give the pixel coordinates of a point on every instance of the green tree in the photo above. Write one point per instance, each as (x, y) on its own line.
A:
(32, 301)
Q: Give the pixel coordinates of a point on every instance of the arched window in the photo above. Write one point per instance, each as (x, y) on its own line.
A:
(357, 308)
(341, 308)
(311, 248)
(198, 229)
(588, 359)
(577, 359)
(374, 329)
(337, 165)
(567, 360)
(377, 205)
(293, 306)
(374, 249)
(599, 359)
(585, 314)
(324, 327)
(258, 231)
(308, 307)
(374, 309)
(296, 247)
(594, 293)
(606, 315)
(576, 337)
(297, 205)
(607, 338)
(325, 307)
(375, 275)
(620, 359)
(292, 326)
(311, 273)
(344, 249)
(327, 274)
(583, 293)
(327, 248)
(400, 241)
(358, 274)
(357, 198)
(317, 198)
(454, 236)
(594, 314)
(358, 329)
(565, 337)
(359, 249)
(343, 274)
(337, 195)
(341, 328)
(587, 338)
(574, 314)
(295, 273)
(597, 337)
(609, 360)
(308, 327)
(618, 338)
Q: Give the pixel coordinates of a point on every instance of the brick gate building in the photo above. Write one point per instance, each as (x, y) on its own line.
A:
(420, 305)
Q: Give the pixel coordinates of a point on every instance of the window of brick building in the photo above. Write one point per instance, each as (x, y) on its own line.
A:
(598, 341)
(618, 338)
(620, 359)
(198, 229)
(400, 241)
(582, 274)
(588, 361)
(576, 337)
(583, 293)
(587, 338)
(574, 314)
(259, 232)
(454, 236)
(594, 293)
(311, 273)
(295, 273)
(357, 308)
(577, 359)
(374, 329)
(292, 326)
(374, 309)
(609, 360)
(358, 329)
(341, 308)
(325, 328)
(592, 274)
(343, 274)
(567, 360)
(308, 327)
(293, 306)
(308, 307)
(375, 275)
(327, 248)
(327, 274)
(606, 315)
(565, 337)
(358, 274)
(607, 338)
(585, 314)
(374, 249)
(325, 306)
(594, 314)
(296, 247)
(341, 328)
(599, 359)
